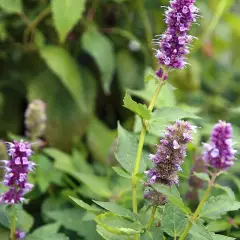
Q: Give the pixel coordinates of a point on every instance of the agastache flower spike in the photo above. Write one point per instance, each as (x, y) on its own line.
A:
(169, 156)
(174, 42)
(16, 172)
(219, 153)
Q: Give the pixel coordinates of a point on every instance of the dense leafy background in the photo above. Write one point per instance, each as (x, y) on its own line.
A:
(80, 56)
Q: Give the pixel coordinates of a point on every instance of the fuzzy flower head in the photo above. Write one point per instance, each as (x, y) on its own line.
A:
(219, 153)
(16, 172)
(35, 119)
(174, 42)
(170, 154)
(155, 198)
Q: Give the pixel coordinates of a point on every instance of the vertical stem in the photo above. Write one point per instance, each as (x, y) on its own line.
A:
(140, 148)
(13, 225)
(199, 208)
(151, 220)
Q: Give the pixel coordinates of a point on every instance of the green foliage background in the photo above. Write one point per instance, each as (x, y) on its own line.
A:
(80, 56)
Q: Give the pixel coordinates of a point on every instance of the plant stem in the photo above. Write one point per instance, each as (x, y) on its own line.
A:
(13, 225)
(199, 208)
(151, 220)
(140, 148)
(35, 22)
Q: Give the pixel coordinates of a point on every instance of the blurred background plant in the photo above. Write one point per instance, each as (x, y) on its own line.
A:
(79, 57)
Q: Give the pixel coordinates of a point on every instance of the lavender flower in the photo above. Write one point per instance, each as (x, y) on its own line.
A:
(20, 235)
(35, 119)
(174, 41)
(16, 172)
(219, 153)
(168, 158)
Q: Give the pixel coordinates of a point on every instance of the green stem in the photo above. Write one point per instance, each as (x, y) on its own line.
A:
(13, 225)
(151, 220)
(199, 208)
(140, 148)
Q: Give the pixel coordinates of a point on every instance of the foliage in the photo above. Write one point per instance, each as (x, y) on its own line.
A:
(80, 57)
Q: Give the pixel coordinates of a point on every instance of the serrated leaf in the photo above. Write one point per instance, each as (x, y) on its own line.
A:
(85, 206)
(215, 207)
(65, 67)
(220, 237)
(127, 150)
(161, 117)
(173, 196)
(173, 221)
(11, 6)
(101, 49)
(118, 225)
(226, 189)
(66, 14)
(121, 172)
(111, 236)
(135, 107)
(218, 226)
(118, 210)
(199, 232)
(203, 176)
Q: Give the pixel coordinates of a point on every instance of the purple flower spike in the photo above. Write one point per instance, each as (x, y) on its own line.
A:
(170, 154)
(20, 235)
(174, 42)
(219, 153)
(16, 172)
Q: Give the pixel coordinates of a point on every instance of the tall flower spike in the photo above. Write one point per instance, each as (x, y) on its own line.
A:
(16, 172)
(174, 42)
(169, 156)
(35, 119)
(219, 153)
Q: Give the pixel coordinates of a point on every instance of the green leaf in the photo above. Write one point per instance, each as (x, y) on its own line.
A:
(98, 185)
(218, 226)
(101, 49)
(173, 196)
(66, 14)
(118, 225)
(118, 210)
(226, 189)
(154, 233)
(129, 71)
(85, 206)
(71, 218)
(65, 67)
(11, 6)
(25, 220)
(121, 172)
(161, 117)
(46, 230)
(220, 237)
(203, 176)
(199, 232)
(166, 98)
(64, 115)
(62, 160)
(111, 236)
(173, 220)
(54, 236)
(99, 149)
(127, 150)
(135, 107)
(215, 207)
